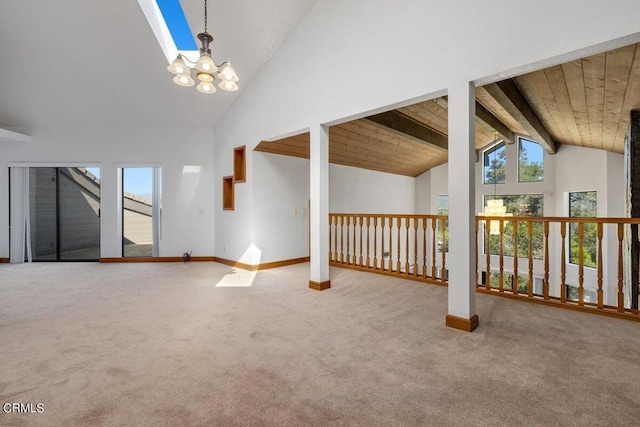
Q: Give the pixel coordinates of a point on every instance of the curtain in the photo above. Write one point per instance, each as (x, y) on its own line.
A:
(20, 221)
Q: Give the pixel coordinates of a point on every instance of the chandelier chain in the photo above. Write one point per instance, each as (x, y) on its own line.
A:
(205, 16)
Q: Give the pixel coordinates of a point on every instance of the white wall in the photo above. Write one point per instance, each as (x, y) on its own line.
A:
(281, 196)
(280, 216)
(337, 64)
(354, 190)
(187, 197)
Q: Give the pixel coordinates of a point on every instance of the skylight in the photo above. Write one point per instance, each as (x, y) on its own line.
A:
(169, 24)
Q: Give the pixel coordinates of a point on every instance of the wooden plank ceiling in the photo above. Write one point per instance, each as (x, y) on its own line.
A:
(586, 102)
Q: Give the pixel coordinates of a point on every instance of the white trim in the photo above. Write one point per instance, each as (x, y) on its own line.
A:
(138, 165)
(53, 164)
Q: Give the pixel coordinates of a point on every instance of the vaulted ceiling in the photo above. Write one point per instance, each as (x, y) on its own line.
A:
(584, 102)
(82, 63)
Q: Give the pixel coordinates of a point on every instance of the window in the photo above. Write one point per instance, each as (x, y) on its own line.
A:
(583, 204)
(141, 207)
(530, 161)
(588, 296)
(443, 230)
(523, 282)
(520, 205)
(494, 159)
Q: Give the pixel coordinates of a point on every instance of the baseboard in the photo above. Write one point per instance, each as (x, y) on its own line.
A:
(4, 260)
(319, 286)
(467, 325)
(158, 259)
(263, 266)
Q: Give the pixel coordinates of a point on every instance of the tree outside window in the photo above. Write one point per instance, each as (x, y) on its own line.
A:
(520, 205)
(494, 160)
(530, 161)
(583, 204)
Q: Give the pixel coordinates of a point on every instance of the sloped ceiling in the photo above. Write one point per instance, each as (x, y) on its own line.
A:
(97, 63)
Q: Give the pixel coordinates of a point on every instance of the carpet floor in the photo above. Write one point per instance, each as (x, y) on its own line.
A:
(205, 344)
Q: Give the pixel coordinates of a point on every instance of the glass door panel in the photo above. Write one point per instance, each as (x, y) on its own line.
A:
(78, 214)
(137, 212)
(43, 211)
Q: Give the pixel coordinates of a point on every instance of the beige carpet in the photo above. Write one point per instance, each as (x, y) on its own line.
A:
(193, 344)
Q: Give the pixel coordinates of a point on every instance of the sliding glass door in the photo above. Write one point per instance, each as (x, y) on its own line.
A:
(64, 214)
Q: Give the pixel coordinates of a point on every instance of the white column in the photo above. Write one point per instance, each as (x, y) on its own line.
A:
(319, 214)
(461, 262)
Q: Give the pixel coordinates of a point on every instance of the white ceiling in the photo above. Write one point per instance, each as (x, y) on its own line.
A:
(97, 63)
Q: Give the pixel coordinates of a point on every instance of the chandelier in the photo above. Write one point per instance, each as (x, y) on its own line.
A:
(204, 68)
(494, 206)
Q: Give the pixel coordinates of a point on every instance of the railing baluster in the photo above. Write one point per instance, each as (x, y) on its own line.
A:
(445, 243)
(383, 223)
(406, 249)
(487, 274)
(563, 265)
(434, 236)
(398, 265)
(514, 280)
(375, 242)
(501, 268)
(360, 221)
(348, 238)
(390, 243)
(341, 239)
(424, 247)
(415, 247)
(600, 293)
(545, 283)
(620, 272)
(367, 257)
(330, 230)
(530, 232)
(580, 264)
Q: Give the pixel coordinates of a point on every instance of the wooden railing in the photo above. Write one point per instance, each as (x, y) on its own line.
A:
(410, 246)
(576, 263)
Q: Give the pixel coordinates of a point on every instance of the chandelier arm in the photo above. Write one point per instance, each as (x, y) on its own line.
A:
(184, 58)
(223, 64)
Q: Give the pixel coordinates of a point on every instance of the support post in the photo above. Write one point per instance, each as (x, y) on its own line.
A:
(319, 212)
(462, 281)
(634, 174)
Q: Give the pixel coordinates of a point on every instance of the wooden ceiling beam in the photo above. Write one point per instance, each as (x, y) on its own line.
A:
(507, 94)
(493, 122)
(402, 123)
(488, 119)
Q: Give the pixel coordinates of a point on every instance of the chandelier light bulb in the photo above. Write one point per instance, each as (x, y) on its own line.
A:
(205, 64)
(178, 67)
(183, 80)
(228, 73)
(206, 88)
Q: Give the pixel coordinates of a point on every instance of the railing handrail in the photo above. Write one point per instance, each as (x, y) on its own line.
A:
(591, 220)
(428, 216)
(541, 219)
